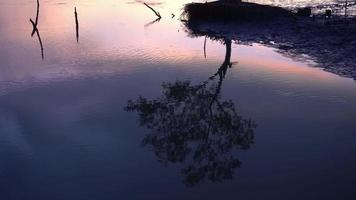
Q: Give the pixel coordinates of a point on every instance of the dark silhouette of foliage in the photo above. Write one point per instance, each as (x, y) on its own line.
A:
(191, 125)
(233, 10)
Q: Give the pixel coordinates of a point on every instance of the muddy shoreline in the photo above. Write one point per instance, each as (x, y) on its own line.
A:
(329, 43)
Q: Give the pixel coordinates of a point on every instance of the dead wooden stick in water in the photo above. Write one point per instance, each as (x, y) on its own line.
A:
(76, 24)
(34, 23)
(156, 13)
(346, 7)
(41, 44)
(35, 29)
(205, 47)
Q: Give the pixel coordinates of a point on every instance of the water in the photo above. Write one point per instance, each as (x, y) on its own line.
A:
(65, 133)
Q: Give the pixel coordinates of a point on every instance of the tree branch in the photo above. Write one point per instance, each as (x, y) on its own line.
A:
(156, 13)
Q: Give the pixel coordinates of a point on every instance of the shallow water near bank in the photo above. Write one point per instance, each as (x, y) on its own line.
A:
(65, 132)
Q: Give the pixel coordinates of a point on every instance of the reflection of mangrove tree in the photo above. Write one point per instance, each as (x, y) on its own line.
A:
(191, 125)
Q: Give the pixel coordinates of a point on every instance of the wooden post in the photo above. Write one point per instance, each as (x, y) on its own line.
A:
(76, 24)
(346, 4)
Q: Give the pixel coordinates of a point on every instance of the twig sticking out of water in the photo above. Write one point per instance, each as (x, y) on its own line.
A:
(35, 29)
(156, 13)
(34, 23)
(40, 41)
(76, 24)
(205, 47)
(346, 7)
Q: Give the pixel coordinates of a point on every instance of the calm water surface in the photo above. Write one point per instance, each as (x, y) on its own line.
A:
(65, 132)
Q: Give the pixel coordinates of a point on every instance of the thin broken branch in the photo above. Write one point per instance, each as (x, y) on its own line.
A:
(156, 13)
(34, 23)
(76, 24)
(41, 44)
(35, 29)
(38, 11)
(205, 47)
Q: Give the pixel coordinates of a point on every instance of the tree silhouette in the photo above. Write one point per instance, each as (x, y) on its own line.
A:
(191, 125)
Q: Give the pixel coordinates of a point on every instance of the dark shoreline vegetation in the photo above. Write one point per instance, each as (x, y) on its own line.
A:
(329, 42)
(233, 11)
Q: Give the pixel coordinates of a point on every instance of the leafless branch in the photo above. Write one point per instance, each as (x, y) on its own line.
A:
(156, 13)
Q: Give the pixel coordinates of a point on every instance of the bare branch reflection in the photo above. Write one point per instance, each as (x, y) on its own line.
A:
(152, 22)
